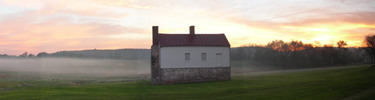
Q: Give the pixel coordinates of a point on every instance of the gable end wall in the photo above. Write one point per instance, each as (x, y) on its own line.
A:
(195, 70)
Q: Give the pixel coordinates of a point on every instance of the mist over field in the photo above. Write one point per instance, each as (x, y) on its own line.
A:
(76, 68)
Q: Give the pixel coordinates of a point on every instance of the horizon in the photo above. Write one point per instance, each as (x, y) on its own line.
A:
(145, 49)
(58, 25)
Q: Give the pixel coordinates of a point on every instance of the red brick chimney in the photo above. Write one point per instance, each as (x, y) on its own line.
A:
(192, 30)
(155, 35)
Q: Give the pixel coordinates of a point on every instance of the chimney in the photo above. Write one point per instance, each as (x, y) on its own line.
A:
(192, 30)
(155, 35)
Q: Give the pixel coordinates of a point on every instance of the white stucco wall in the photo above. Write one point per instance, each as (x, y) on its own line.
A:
(174, 57)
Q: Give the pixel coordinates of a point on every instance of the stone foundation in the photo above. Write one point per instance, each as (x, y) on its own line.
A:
(188, 75)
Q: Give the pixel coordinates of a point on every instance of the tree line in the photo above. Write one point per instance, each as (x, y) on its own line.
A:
(45, 54)
(95, 54)
(296, 54)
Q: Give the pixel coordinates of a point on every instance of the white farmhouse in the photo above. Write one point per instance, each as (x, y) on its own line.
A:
(183, 58)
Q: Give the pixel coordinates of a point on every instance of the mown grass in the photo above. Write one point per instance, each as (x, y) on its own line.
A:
(326, 84)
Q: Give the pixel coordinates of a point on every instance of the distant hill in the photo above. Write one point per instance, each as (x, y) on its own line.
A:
(116, 54)
(107, 54)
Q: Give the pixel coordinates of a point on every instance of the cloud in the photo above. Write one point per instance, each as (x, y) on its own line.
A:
(54, 25)
(71, 7)
(140, 4)
(322, 25)
(28, 31)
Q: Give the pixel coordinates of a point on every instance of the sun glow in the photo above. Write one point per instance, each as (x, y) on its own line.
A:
(324, 39)
(319, 29)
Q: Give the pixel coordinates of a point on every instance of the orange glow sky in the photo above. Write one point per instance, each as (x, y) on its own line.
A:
(54, 25)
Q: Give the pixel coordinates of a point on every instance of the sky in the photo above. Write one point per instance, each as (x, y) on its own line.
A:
(35, 26)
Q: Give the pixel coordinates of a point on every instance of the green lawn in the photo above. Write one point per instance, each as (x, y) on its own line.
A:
(326, 84)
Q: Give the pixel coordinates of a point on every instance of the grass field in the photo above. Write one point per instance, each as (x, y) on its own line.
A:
(327, 84)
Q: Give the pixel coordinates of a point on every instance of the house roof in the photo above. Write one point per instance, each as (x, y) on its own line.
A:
(193, 40)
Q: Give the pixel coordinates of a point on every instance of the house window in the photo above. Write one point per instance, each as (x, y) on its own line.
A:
(187, 56)
(203, 56)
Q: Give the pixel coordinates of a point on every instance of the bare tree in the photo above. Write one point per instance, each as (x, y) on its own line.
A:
(278, 45)
(308, 46)
(42, 54)
(296, 45)
(23, 55)
(293, 55)
(370, 46)
(31, 55)
(341, 43)
(317, 44)
(283, 50)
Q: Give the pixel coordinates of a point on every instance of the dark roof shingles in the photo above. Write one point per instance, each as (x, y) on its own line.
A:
(193, 40)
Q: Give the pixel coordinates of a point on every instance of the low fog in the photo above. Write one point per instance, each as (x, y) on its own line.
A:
(74, 69)
(109, 67)
(77, 66)
(99, 70)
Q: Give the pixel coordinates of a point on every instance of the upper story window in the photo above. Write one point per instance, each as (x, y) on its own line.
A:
(187, 56)
(204, 56)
